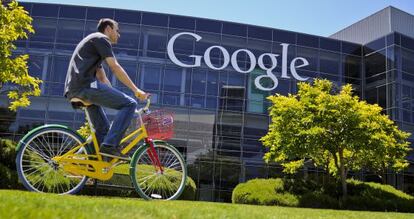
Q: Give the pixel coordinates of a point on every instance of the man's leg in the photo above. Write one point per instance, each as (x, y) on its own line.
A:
(112, 98)
(99, 121)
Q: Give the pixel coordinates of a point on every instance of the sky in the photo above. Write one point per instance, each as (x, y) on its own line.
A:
(317, 17)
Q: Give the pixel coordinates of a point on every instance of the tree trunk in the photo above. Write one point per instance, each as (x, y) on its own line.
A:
(384, 177)
(343, 173)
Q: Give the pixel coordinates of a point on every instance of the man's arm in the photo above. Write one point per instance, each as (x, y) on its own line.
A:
(101, 76)
(122, 76)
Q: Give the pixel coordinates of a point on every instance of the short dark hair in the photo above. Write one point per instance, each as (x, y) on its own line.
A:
(104, 22)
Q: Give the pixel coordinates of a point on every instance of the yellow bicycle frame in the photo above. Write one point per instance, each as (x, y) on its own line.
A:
(92, 165)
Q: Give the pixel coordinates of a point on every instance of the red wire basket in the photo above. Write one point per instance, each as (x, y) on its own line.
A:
(159, 124)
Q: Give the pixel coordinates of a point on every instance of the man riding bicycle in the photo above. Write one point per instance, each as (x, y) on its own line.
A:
(86, 81)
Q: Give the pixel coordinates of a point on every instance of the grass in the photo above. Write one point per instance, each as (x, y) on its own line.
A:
(22, 204)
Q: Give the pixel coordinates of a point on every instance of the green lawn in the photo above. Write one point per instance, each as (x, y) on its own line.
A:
(21, 204)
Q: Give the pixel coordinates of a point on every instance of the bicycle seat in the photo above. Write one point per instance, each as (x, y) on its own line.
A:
(78, 103)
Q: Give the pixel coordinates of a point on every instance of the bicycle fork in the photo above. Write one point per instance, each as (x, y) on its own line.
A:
(153, 155)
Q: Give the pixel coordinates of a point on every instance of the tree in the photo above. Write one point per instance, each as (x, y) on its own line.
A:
(335, 130)
(15, 23)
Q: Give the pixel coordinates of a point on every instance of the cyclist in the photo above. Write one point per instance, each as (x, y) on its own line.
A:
(86, 82)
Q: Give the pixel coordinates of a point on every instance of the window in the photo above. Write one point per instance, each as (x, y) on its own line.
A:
(258, 47)
(182, 22)
(125, 54)
(329, 62)
(60, 115)
(407, 61)
(32, 113)
(330, 44)
(255, 126)
(131, 70)
(197, 101)
(291, 54)
(392, 53)
(198, 82)
(45, 10)
(27, 6)
(393, 38)
(375, 63)
(234, 29)
(172, 79)
(60, 67)
(70, 31)
(157, 43)
(236, 79)
(184, 44)
(374, 45)
(351, 66)
(129, 36)
(124, 16)
(208, 25)
(90, 27)
(212, 83)
(284, 36)
(407, 42)
(72, 12)
(351, 48)
(98, 13)
(35, 65)
(309, 54)
(260, 33)
(307, 40)
(53, 88)
(151, 77)
(252, 145)
(45, 30)
(207, 41)
(211, 103)
(153, 19)
(171, 99)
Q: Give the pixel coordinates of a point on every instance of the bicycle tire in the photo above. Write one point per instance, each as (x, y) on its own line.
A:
(151, 183)
(35, 168)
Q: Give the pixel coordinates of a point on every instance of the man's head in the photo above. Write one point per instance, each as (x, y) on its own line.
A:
(110, 28)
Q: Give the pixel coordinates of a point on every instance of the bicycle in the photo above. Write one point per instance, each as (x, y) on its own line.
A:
(55, 159)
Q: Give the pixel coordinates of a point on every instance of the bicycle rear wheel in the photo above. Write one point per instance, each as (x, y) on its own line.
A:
(149, 181)
(35, 167)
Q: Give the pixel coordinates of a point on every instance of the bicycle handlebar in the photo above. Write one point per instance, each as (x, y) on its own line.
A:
(144, 109)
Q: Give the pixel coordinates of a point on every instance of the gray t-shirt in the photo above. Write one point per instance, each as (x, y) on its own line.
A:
(86, 59)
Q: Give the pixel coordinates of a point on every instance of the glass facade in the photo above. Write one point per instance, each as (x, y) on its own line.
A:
(220, 114)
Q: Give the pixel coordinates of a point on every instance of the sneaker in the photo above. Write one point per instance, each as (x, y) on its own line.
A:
(113, 152)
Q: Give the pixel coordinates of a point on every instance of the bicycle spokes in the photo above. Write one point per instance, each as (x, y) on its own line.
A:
(153, 155)
(36, 165)
(152, 183)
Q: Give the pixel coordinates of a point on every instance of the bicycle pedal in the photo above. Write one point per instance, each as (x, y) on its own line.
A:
(90, 181)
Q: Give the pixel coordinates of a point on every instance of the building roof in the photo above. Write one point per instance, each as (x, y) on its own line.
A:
(377, 25)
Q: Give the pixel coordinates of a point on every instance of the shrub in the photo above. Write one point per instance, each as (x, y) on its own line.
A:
(301, 193)
(374, 196)
(9, 179)
(264, 192)
(8, 153)
(8, 174)
(318, 199)
(190, 189)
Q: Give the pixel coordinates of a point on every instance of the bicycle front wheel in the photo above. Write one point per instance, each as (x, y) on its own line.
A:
(152, 183)
(35, 167)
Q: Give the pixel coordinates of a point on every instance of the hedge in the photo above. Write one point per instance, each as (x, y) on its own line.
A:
(301, 193)
(8, 174)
